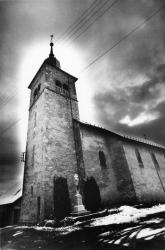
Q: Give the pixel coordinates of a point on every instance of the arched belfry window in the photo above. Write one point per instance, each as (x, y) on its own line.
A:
(58, 84)
(102, 159)
(37, 91)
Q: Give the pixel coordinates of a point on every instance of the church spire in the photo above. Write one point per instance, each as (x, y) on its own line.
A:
(51, 46)
(52, 60)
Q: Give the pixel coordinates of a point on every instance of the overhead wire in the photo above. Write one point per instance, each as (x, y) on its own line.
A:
(84, 15)
(123, 38)
(77, 21)
(90, 24)
(107, 51)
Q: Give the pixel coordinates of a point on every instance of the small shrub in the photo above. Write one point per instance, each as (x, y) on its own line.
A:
(61, 198)
(92, 197)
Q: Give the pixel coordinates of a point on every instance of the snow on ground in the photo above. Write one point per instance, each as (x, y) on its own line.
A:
(61, 230)
(149, 232)
(127, 214)
(17, 233)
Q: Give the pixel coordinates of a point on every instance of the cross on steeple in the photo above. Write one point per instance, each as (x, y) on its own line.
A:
(51, 45)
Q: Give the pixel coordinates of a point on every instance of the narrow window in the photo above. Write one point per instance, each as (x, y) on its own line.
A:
(155, 160)
(58, 84)
(102, 159)
(39, 87)
(74, 89)
(38, 208)
(35, 119)
(32, 190)
(33, 152)
(65, 87)
(138, 156)
(35, 93)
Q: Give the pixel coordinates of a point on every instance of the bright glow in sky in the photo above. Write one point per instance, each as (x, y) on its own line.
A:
(71, 62)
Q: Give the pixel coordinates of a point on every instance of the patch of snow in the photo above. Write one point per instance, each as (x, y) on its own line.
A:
(132, 235)
(44, 228)
(126, 244)
(118, 241)
(149, 232)
(23, 227)
(105, 241)
(130, 228)
(105, 234)
(6, 227)
(68, 230)
(127, 214)
(128, 210)
(17, 233)
(110, 241)
(156, 220)
(150, 238)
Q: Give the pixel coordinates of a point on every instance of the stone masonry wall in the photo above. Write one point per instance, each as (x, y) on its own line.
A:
(33, 185)
(60, 156)
(50, 144)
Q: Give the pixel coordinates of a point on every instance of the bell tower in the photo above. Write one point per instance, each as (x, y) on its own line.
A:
(50, 149)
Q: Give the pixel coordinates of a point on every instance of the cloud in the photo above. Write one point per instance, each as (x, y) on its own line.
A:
(135, 93)
(140, 119)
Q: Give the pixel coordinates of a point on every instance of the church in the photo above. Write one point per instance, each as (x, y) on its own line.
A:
(127, 170)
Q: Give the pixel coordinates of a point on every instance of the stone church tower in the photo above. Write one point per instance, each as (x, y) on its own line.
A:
(51, 145)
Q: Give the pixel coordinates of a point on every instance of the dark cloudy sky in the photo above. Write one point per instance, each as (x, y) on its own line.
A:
(123, 90)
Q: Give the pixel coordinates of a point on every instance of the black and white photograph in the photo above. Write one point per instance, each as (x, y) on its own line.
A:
(82, 124)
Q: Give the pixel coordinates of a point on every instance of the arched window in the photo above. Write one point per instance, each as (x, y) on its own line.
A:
(102, 159)
(138, 156)
(65, 87)
(32, 190)
(39, 86)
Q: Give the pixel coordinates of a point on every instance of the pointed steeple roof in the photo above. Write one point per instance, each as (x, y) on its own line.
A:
(52, 60)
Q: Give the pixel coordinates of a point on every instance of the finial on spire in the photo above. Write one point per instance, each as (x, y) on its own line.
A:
(51, 45)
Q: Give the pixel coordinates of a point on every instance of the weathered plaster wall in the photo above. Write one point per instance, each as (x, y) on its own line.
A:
(148, 181)
(114, 181)
(123, 181)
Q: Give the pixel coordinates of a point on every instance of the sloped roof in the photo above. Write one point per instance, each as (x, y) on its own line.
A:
(10, 198)
(133, 138)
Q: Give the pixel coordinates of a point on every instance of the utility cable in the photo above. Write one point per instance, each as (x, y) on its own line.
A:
(123, 38)
(99, 16)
